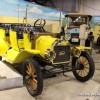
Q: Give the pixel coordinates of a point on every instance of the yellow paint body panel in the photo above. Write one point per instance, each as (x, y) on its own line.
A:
(43, 43)
(11, 55)
(27, 43)
(23, 55)
(8, 39)
(14, 56)
(20, 43)
(13, 40)
(82, 48)
(4, 46)
(2, 33)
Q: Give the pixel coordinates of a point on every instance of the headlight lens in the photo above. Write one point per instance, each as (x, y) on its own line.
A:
(50, 55)
(76, 52)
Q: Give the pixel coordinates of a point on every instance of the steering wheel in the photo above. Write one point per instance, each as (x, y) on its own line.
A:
(39, 23)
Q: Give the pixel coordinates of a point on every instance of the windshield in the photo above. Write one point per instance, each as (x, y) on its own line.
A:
(77, 21)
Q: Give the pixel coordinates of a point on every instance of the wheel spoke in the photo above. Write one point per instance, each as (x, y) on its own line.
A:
(85, 60)
(31, 68)
(81, 59)
(86, 67)
(33, 72)
(27, 72)
(28, 69)
(86, 64)
(85, 71)
(33, 83)
(27, 77)
(81, 72)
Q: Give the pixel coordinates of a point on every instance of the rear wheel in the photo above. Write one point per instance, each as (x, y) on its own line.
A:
(32, 77)
(85, 67)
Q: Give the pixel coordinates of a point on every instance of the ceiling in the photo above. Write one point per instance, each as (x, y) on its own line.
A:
(65, 5)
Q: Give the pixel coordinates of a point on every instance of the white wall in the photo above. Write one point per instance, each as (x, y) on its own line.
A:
(89, 6)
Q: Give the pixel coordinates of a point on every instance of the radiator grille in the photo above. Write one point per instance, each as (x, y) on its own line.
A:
(62, 54)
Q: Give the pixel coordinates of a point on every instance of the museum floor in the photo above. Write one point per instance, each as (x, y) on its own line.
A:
(62, 88)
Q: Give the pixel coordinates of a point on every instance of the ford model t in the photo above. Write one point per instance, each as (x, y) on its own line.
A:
(37, 49)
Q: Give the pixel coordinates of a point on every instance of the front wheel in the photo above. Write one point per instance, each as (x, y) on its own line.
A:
(32, 77)
(85, 67)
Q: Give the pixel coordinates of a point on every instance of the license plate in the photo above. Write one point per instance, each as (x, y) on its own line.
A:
(75, 40)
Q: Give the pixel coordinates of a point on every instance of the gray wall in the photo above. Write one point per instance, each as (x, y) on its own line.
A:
(66, 5)
(89, 6)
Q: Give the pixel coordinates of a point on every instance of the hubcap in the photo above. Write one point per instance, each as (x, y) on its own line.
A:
(81, 66)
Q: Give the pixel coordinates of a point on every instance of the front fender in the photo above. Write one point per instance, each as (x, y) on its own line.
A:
(76, 50)
(83, 48)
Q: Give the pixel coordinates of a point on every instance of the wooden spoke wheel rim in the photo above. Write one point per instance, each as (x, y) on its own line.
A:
(31, 76)
(83, 66)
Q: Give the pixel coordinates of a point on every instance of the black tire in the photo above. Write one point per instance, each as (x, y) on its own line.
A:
(32, 76)
(85, 67)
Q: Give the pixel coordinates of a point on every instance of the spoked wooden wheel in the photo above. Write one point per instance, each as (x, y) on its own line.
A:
(85, 67)
(32, 77)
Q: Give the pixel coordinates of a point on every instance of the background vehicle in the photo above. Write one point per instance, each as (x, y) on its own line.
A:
(74, 22)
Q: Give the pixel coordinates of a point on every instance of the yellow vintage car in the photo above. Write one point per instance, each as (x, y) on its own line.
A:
(43, 54)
